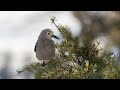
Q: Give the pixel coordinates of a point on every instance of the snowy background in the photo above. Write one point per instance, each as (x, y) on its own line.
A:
(19, 31)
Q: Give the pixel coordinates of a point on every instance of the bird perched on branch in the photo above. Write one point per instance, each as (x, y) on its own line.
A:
(45, 46)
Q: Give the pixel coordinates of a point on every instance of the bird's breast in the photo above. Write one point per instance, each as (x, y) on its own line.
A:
(45, 50)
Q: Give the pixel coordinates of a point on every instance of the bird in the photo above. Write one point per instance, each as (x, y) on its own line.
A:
(45, 46)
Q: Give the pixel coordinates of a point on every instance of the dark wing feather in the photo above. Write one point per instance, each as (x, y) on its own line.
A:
(35, 47)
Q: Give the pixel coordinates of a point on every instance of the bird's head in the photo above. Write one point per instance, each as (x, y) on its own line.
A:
(47, 33)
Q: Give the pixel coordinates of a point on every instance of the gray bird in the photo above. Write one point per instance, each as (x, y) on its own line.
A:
(45, 46)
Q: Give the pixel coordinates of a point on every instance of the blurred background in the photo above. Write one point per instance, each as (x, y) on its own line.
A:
(19, 31)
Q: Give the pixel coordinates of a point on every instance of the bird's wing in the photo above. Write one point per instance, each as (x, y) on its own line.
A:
(35, 46)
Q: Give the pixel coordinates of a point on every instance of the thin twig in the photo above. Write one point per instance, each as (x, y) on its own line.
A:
(53, 21)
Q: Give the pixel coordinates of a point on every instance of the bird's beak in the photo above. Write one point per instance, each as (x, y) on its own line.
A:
(54, 36)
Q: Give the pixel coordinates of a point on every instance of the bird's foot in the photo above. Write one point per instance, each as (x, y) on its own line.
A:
(45, 62)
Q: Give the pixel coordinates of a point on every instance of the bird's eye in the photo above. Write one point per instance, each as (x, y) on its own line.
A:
(48, 33)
